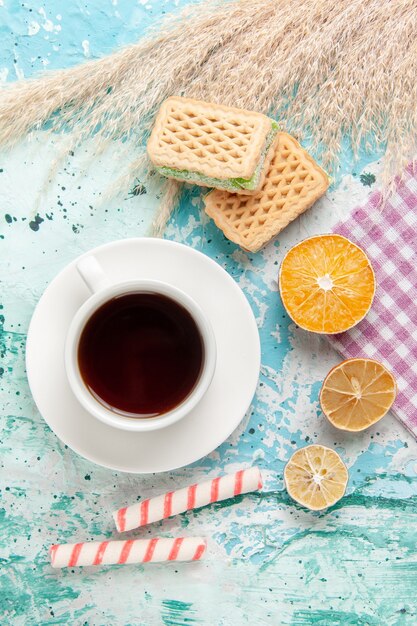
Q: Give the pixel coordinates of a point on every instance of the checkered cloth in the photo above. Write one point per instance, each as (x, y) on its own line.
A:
(388, 334)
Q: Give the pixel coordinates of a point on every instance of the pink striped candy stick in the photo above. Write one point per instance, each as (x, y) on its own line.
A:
(192, 497)
(157, 550)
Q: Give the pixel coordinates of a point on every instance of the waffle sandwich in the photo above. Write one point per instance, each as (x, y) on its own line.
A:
(212, 145)
(291, 185)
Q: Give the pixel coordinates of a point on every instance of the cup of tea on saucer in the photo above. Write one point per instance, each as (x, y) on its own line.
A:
(139, 354)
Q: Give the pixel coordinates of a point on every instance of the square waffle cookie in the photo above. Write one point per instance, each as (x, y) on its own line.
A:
(212, 145)
(292, 184)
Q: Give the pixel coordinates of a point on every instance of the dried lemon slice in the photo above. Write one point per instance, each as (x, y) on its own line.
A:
(357, 393)
(316, 477)
(327, 284)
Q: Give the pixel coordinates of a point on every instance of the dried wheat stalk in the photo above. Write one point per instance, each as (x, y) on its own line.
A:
(326, 69)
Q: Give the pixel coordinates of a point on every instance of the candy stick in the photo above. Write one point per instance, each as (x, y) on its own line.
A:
(155, 550)
(192, 497)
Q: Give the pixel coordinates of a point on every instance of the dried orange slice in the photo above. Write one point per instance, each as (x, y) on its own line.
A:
(357, 393)
(327, 284)
(316, 477)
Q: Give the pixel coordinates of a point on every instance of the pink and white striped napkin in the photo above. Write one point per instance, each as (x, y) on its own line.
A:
(388, 334)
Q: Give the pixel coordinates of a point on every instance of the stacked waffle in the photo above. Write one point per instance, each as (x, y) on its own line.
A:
(262, 178)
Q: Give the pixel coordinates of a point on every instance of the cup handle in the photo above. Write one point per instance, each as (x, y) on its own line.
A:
(92, 273)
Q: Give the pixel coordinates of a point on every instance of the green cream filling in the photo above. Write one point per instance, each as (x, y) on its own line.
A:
(230, 184)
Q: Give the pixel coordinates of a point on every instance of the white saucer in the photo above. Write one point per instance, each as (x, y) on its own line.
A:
(222, 407)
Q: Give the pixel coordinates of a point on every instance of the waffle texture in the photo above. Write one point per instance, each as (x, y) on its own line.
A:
(292, 184)
(210, 139)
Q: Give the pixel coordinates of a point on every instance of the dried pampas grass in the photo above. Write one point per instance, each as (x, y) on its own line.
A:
(327, 70)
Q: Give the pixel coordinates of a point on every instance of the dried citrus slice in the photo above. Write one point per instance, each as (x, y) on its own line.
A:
(316, 477)
(327, 284)
(357, 393)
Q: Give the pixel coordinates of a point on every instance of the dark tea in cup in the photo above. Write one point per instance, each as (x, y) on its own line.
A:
(140, 354)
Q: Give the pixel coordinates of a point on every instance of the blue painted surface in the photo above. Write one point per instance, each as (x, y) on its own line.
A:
(269, 560)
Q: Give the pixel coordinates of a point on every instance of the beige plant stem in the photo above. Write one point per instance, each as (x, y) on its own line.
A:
(327, 70)
(169, 198)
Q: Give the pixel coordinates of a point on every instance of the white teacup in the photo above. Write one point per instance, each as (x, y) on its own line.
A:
(102, 291)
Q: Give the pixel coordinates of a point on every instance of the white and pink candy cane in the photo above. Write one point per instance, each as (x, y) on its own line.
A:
(157, 550)
(192, 497)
